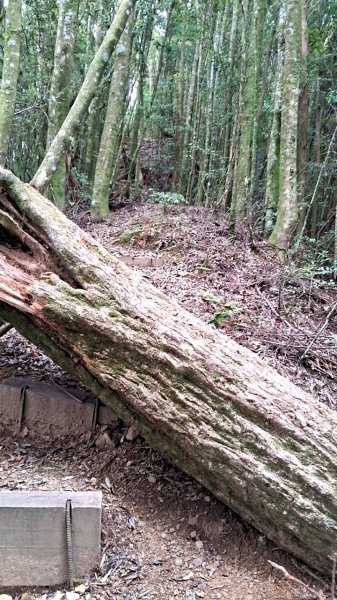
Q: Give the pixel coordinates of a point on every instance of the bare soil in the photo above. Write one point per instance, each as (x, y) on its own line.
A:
(164, 536)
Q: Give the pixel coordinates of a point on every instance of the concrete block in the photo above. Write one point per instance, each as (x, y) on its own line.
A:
(49, 410)
(33, 548)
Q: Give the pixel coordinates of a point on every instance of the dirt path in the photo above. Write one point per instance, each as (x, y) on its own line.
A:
(164, 536)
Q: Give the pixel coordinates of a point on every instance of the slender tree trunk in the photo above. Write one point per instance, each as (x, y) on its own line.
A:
(287, 208)
(195, 139)
(318, 156)
(241, 202)
(235, 209)
(273, 156)
(138, 125)
(212, 407)
(242, 179)
(228, 103)
(110, 140)
(63, 138)
(189, 112)
(303, 118)
(94, 110)
(178, 147)
(61, 90)
(10, 74)
(208, 56)
(260, 88)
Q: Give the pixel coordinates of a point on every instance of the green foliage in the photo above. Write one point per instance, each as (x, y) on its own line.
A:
(332, 340)
(219, 317)
(212, 297)
(127, 235)
(315, 260)
(204, 267)
(167, 198)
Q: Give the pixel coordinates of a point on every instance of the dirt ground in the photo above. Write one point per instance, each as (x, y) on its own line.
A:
(164, 536)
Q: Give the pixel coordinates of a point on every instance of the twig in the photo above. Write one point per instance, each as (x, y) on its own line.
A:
(319, 595)
(277, 313)
(313, 197)
(320, 329)
(5, 328)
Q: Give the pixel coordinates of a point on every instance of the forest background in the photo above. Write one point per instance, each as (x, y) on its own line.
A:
(230, 105)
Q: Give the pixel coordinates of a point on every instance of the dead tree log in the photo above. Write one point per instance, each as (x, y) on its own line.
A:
(213, 408)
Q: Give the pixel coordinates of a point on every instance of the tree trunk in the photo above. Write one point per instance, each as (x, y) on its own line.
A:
(93, 128)
(273, 156)
(249, 87)
(212, 407)
(303, 118)
(109, 147)
(10, 74)
(61, 90)
(287, 208)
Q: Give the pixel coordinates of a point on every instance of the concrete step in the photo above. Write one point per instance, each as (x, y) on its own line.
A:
(33, 549)
(48, 409)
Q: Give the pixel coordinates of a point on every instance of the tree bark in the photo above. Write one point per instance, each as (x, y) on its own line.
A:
(61, 90)
(287, 207)
(273, 155)
(110, 140)
(10, 74)
(215, 409)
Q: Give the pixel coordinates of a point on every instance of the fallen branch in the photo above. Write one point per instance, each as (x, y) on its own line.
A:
(319, 595)
(320, 329)
(5, 329)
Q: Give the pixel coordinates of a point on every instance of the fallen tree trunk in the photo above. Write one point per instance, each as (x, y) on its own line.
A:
(213, 408)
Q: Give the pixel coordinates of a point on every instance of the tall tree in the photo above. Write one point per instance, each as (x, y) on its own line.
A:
(111, 135)
(287, 208)
(273, 156)
(303, 116)
(251, 65)
(92, 134)
(10, 74)
(61, 89)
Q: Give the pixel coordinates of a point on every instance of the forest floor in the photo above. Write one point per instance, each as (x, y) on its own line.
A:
(164, 536)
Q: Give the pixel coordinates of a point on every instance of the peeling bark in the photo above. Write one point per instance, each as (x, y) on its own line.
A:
(213, 408)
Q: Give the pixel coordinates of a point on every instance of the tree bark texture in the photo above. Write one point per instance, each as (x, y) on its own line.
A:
(287, 208)
(10, 74)
(273, 156)
(61, 89)
(109, 146)
(213, 408)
